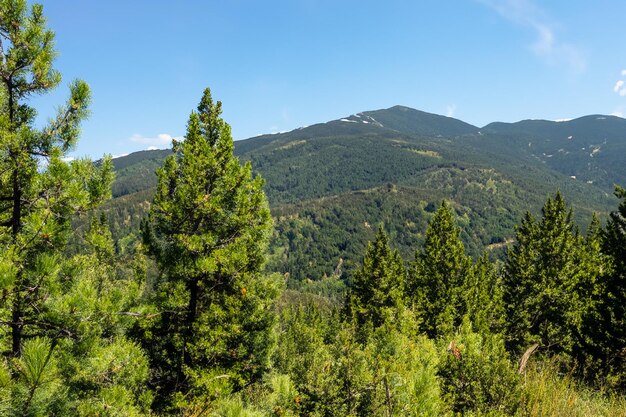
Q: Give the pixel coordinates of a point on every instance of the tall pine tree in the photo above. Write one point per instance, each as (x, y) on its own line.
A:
(63, 338)
(377, 290)
(38, 191)
(437, 278)
(483, 297)
(611, 321)
(208, 230)
(543, 295)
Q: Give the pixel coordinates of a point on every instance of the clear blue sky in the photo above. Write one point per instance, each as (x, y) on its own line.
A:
(279, 65)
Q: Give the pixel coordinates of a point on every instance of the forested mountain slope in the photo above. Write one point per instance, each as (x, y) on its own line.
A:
(591, 148)
(331, 184)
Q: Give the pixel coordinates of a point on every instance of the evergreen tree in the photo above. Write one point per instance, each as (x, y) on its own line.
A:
(543, 277)
(103, 371)
(208, 229)
(377, 290)
(483, 297)
(60, 325)
(610, 322)
(589, 334)
(38, 191)
(438, 276)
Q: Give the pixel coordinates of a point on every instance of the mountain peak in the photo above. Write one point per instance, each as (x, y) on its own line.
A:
(416, 122)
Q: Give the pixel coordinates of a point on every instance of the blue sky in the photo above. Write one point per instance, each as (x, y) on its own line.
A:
(279, 65)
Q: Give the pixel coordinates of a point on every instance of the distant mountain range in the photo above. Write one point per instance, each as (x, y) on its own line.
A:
(331, 184)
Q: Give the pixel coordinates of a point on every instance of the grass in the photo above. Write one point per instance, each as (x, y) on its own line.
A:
(549, 394)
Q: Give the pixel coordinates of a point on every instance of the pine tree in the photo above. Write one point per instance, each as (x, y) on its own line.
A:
(438, 276)
(104, 371)
(542, 281)
(60, 324)
(610, 325)
(208, 229)
(483, 297)
(38, 191)
(589, 349)
(377, 290)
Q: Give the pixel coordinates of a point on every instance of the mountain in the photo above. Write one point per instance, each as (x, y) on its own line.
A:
(397, 119)
(591, 148)
(136, 172)
(331, 184)
(414, 122)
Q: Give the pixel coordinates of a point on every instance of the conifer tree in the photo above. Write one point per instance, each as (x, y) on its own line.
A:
(377, 289)
(610, 323)
(36, 199)
(483, 297)
(438, 276)
(614, 245)
(38, 191)
(104, 371)
(208, 229)
(542, 281)
(60, 326)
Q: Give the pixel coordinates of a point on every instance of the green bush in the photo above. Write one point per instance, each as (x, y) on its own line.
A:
(477, 375)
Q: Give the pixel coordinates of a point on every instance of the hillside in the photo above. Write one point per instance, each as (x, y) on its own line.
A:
(331, 184)
(591, 148)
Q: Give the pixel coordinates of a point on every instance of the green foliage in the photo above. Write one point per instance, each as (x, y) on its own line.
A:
(402, 376)
(545, 280)
(37, 390)
(376, 294)
(483, 297)
(335, 374)
(304, 352)
(476, 374)
(438, 276)
(207, 230)
(605, 326)
(58, 317)
(38, 191)
(231, 407)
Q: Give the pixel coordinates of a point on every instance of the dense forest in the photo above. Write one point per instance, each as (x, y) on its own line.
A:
(185, 317)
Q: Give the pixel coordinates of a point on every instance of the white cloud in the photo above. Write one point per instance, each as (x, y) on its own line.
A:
(624, 73)
(547, 46)
(160, 141)
(451, 110)
(620, 86)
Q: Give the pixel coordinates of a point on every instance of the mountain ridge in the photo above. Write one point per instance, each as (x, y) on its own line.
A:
(330, 184)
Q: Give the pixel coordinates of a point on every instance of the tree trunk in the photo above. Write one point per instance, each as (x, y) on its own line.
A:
(388, 397)
(16, 314)
(16, 326)
(190, 318)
